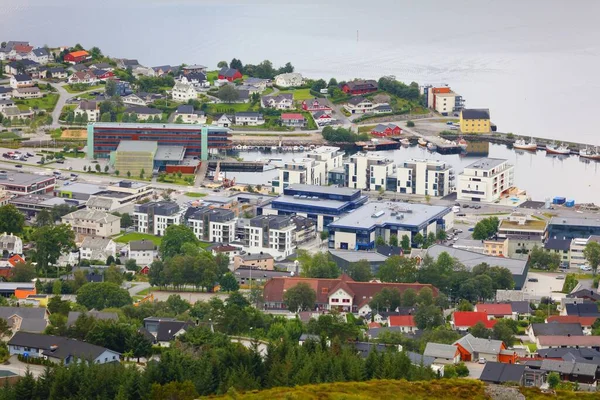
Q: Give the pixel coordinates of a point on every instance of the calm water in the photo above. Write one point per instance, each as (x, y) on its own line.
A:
(540, 175)
(533, 63)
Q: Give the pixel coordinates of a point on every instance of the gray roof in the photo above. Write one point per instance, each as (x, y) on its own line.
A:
(383, 107)
(88, 105)
(471, 259)
(248, 114)
(4, 89)
(167, 329)
(33, 325)
(560, 352)
(558, 244)
(93, 215)
(557, 329)
(495, 372)
(244, 273)
(355, 256)
(140, 245)
(252, 257)
(357, 100)
(476, 113)
(375, 332)
(23, 179)
(23, 312)
(575, 221)
(22, 78)
(95, 243)
(438, 350)
(185, 109)
(64, 346)
(39, 52)
(486, 163)
(569, 367)
(228, 72)
(74, 315)
(420, 359)
(99, 202)
(138, 145)
(473, 344)
(143, 110)
(84, 188)
(169, 153)
(343, 191)
(321, 203)
(583, 309)
(521, 307)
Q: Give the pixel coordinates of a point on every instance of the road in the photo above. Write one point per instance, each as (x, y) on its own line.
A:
(135, 289)
(64, 96)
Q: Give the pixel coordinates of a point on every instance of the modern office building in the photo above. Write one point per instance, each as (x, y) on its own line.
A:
(573, 228)
(271, 234)
(424, 177)
(485, 180)
(322, 204)
(212, 224)
(155, 217)
(198, 140)
(368, 171)
(359, 229)
(24, 183)
(576, 257)
(519, 224)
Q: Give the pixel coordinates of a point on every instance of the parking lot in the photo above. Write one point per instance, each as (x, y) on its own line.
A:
(546, 286)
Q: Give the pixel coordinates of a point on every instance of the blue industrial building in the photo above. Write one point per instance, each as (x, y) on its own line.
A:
(573, 228)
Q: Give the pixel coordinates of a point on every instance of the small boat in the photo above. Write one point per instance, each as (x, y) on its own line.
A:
(523, 145)
(590, 153)
(295, 148)
(301, 148)
(244, 147)
(463, 143)
(557, 149)
(431, 146)
(239, 147)
(422, 142)
(405, 142)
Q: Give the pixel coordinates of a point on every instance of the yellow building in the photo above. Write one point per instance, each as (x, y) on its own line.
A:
(475, 120)
(135, 156)
(495, 247)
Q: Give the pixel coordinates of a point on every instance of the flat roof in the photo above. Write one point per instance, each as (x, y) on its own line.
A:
(86, 188)
(530, 224)
(486, 163)
(343, 191)
(138, 125)
(337, 204)
(170, 153)
(324, 149)
(575, 221)
(355, 256)
(138, 145)
(380, 213)
(22, 178)
(470, 259)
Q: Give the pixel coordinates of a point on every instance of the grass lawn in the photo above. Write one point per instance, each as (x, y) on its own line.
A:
(126, 238)
(71, 89)
(366, 128)
(47, 102)
(9, 135)
(220, 108)
(204, 245)
(299, 94)
(532, 347)
(195, 194)
(267, 91)
(212, 76)
(177, 180)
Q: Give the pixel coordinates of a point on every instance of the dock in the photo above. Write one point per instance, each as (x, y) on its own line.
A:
(236, 166)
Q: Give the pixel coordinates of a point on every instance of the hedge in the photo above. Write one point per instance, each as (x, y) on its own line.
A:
(34, 360)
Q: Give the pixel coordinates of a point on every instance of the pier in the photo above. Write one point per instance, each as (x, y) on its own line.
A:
(236, 166)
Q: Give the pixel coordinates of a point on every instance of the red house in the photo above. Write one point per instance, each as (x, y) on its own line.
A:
(145, 270)
(231, 74)
(322, 117)
(463, 320)
(315, 105)
(360, 87)
(104, 75)
(77, 56)
(382, 130)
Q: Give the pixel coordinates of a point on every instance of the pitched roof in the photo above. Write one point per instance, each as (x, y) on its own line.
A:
(93, 215)
(569, 367)
(57, 346)
(95, 243)
(357, 100)
(40, 52)
(583, 309)
(521, 307)
(143, 110)
(557, 244)
(438, 350)
(473, 344)
(471, 318)
(574, 319)
(22, 78)
(167, 329)
(582, 341)
(560, 352)
(585, 294)
(88, 105)
(23, 312)
(141, 245)
(228, 72)
(495, 372)
(185, 109)
(557, 329)
(402, 320)
(362, 85)
(79, 53)
(495, 308)
(292, 116)
(475, 113)
(74, 315)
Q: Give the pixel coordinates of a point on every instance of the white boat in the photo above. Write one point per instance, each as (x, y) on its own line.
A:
(244, 147)
(301, 148)
(557, 149)
(422, 142)
(295, 148)
(463, 143)
(590, 153)
(431, 146)
(523, 145)
(273, 148)
(404, 142)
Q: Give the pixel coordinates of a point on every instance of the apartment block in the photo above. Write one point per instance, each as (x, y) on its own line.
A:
(485, 180)
(368, 171)
(424, 177)
(273, 234)
(212, 224)
(93, 223)
(154, 218)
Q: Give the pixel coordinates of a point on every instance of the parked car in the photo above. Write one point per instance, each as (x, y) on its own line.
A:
(533, 280)
(60, 161)
(561, 277)
(18, 166)
(482, 360)
(585, 268)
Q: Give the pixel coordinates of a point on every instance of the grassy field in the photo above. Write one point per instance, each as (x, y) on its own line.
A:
(212, 76)
(9, 135)
(128, 237)
(176, 180)
(299, 94)
(230, 108)
(47, 102)
(195, 194)
(366, 128)
(71, 89)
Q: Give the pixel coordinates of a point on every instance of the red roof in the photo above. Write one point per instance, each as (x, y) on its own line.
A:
(567, 319)
(80, 53)
(374, 325)
(21, 48)
(292, 116)
(571, 341)
(495, 309)
(402, 320)
(14, 260)
(471, 318)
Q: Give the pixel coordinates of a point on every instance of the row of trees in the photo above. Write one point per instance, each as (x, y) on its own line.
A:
(486, 228)
(399, 89)
(264, 70)
(342, 135)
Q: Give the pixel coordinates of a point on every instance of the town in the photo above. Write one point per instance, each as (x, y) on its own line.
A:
(325, 260)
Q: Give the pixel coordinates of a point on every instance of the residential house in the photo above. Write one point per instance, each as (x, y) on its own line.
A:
(375, 329)
(385, 130)
(93, 248)
(133, 100)
(78, 67)
(20, 81)
(586, 295)
(306, 229)
(295, 120)
(155, 217)
(144, 251)
(547, 342)
(103, 75)
(56, 73)
(14, 113)
(25, 319)
(93, 223)
(585, 322)
(521, 308)
(243, 96)
(5, 93)
(189, 69)
(125, 63)
(164, 70)
(442, 353)
(475, 121)
(473, 349)
(582, 310)
(39, 55)
(7, 104)
(383, 108)
(260, 84)
(359, 105)
(496, 310)
(360, 87)
(98, 315)
(223, 120)
(90, 108)
(562, 247)
(59, 349)
(215, 225)
(164, 330)
(11, 244)
(83, 77)
(502, 373)
(292, 79)
(315, 105)
(572, 370)
(189, 115)
(227, 249)
(33, 92)
(463, 320)
(283, 101)
(229, 74)
(406, 323)
(197, 79)
(305, 337)
(262, 261)
(553, 329)
(103, 66)
(183, 92)
(249, 118)
(21, 67)
(77, 57)
(20, 52)
(144, 113)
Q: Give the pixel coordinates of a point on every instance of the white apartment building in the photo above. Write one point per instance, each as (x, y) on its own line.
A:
(142, 251)
(425, 177)
(442, 99)
(215, 225)
(311, 170)
(93, 223)
(90, 108)
(93, 248)
(155, 217)
(485, 180)
(368, 171)
(577, 246)
(271, 234)
(183, 92)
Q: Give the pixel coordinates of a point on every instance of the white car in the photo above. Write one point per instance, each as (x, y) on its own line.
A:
(585, 268)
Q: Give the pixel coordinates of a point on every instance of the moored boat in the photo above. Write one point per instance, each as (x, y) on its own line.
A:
(405, 142)
(557, 149)
(463, 143)
(590, 153)
(422, 142)
(523, 145)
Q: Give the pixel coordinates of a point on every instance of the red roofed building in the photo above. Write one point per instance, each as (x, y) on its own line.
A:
(585, 322)
(315, 105)
(406, 323)
(496, 310)
(359, 87)
(384, 130)
(293, 120)
(22, 48)
(463, 320)
(145, 270)
(77, 56)
(343, 293)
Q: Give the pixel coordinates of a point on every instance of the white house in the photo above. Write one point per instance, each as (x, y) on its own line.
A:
(90, 108)
(289, 80)
(32, 92)
(93, 248)
(189, 115)
(359, 105)
(93, 223)
(84, 77)
(279, 102)
(223, 120)
(249, 118)
(183, 92)
(485, 180)
(11, 244)
(20, 81)
(39, 55)
(5, 93)
(142, 251)
(133, 100)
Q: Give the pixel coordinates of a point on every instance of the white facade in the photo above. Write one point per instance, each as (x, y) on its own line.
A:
(368, 171)
(425, 177)
(224, 121)
(280, 241)
(93, 223)
(160, 223)
(289, 80)
(11, 244)
(93, 115)
(359, 106)
(249, 119)
(183, 92)
(311, 170)
(97, 249)
(133, 100)
(143, 257)
(20, 84)
(218, 232)
(485, 180)
(192, 118)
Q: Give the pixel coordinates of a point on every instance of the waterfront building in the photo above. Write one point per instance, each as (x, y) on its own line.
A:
(359, 229)
(485, 180)
(573, 227)
(424, 177)
(104, 137)
(576, 247)
(475, 120)
(271, 234)
(442, 99)
(368, 171)
(93, 223)
(215, 225)
(518, 223)
(154, 217)
(359, 105)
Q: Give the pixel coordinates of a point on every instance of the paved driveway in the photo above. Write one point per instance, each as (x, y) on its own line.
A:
(546, 286)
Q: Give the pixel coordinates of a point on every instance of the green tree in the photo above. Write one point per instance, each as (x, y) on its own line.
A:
(110, 89)
(465, 305)
(318, 85)
(486, 228)
(405, 243)
(236, 64)
(102, 295)
(131, 265)
(409, 298)
(398, 269)
(56, 305)
(173, 391)
(419, 239)
(324, 235)
(300, 298)
(428, 317)
(11, 219)
(360, 271)
(57, 287)
(332, 82)
(177, 304)
(441, 235)
(553, 380)
(502, 330)
(43, 218)
(175, 237)
(23, 272)
(480, 331)
(430, 240)
(542, 259)
(228, 94)
(319, 265)
(25, 387)
(126, 220)
(591, 252)
(379, 241)
(386, 300)
(114, 275)
(50, 242)
(394, 240)
(425, 297)
(98, 168)
(410, 124)
(229, 283)
(139, 345)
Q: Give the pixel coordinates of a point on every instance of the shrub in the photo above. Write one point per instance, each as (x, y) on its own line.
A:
(34, 360)
(462, 370)
(410, 124)
(524, 323)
